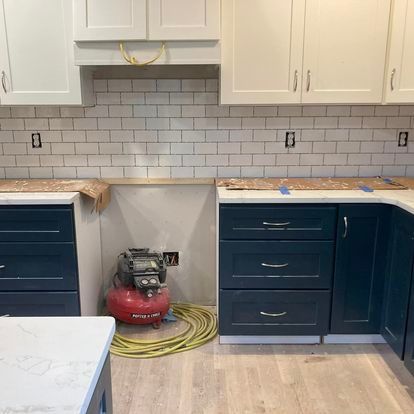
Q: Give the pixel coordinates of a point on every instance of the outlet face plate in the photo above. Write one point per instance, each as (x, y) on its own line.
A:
(403, 138)
(290, 140)
(36, 140)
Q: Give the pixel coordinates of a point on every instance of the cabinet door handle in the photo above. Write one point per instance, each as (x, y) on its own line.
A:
(392, 79)
(345, 227)
(295, 81)
(2, 266)
(3, 81)
(132, 59)
(308, 81)
(266, 223)
(275, 265)
(273, 315)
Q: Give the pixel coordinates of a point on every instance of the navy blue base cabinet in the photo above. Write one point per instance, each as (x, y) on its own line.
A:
(361, 257)
(398, 283)
(276, 267)
(38, 261)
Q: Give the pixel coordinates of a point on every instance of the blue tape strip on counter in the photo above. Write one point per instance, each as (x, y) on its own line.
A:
(284, 190)
(366, 188)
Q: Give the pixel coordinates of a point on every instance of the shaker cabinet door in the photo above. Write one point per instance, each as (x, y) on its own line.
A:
(344, 51)
(184, 19)
(361, 254)
(397, 293)
(36, 53)
(399, 84)
(262, 48)
(110, 20)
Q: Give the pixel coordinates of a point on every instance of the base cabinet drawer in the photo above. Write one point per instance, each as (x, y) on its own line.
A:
(38, 266)
(276, 264)
(275, 222)
(274, 312)
(39, 304)
(31, 224)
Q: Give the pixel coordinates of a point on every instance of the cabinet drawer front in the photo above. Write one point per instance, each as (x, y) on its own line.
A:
(276, 264)
(39, 266)
(277, 222)
(36, 224)
(39, 304)
(272, 312)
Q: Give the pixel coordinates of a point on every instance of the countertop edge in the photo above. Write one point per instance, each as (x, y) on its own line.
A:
(38, 198)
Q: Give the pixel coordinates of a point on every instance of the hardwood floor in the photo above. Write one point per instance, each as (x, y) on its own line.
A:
(251, 379)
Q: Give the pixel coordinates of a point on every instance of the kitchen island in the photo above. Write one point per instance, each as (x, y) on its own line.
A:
(55, 365)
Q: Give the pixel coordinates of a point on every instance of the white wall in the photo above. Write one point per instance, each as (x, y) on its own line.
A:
(170, 217)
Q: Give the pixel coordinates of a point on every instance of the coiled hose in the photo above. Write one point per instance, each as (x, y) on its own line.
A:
(202, 327)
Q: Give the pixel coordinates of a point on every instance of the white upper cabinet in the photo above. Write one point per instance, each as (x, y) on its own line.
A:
(36, 53)
(184, 19)
(345, 51)
(110, 20)
(262, 47)
(400, 72)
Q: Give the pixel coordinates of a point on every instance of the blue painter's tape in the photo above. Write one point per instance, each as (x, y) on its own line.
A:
(387, 180)
(284, 190)
(366, 188)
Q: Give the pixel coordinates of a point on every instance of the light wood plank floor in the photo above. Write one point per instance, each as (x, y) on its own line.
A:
(250, 379)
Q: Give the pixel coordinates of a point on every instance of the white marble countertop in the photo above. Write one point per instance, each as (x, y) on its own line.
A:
(400, 198)
(51, 365)
(38, 198)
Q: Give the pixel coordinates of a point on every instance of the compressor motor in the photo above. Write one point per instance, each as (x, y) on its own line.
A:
(139, 294)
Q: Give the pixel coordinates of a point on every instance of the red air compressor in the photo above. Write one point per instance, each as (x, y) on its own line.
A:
(139, 294)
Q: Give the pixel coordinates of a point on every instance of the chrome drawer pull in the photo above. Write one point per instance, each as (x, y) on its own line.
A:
(2, 266)
(275, 265)
(345, 228)
(274, 315)
(266, 223)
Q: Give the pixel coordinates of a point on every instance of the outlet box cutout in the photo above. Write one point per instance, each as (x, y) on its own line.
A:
(171, 258)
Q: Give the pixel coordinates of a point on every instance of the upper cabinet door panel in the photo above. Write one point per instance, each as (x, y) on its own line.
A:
(400, 74)
(110, 20)
(184, 19)
(345, 50)
(262, 46)
(36, 53)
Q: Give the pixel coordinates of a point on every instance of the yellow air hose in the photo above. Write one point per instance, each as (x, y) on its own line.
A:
(202, 327)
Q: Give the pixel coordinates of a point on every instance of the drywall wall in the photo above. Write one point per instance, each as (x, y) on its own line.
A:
(170, 217)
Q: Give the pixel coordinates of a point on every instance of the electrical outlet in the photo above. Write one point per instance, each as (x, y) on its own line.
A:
(36, 140)
(171, 258)
(403, 138)
(290, 139)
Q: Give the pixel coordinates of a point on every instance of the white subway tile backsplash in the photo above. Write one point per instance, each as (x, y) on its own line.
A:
(168, 85)
(23, 112)
(176, 128)
(193, 85)
(132, 98)
(136, 172)
(170, 160)
(167, 111)
(157, 98)
(144, 85)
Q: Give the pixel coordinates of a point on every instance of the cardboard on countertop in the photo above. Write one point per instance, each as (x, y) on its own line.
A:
(377, 183)
(98, 190)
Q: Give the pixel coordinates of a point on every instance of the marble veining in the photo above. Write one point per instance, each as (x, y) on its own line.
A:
(51, 365)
